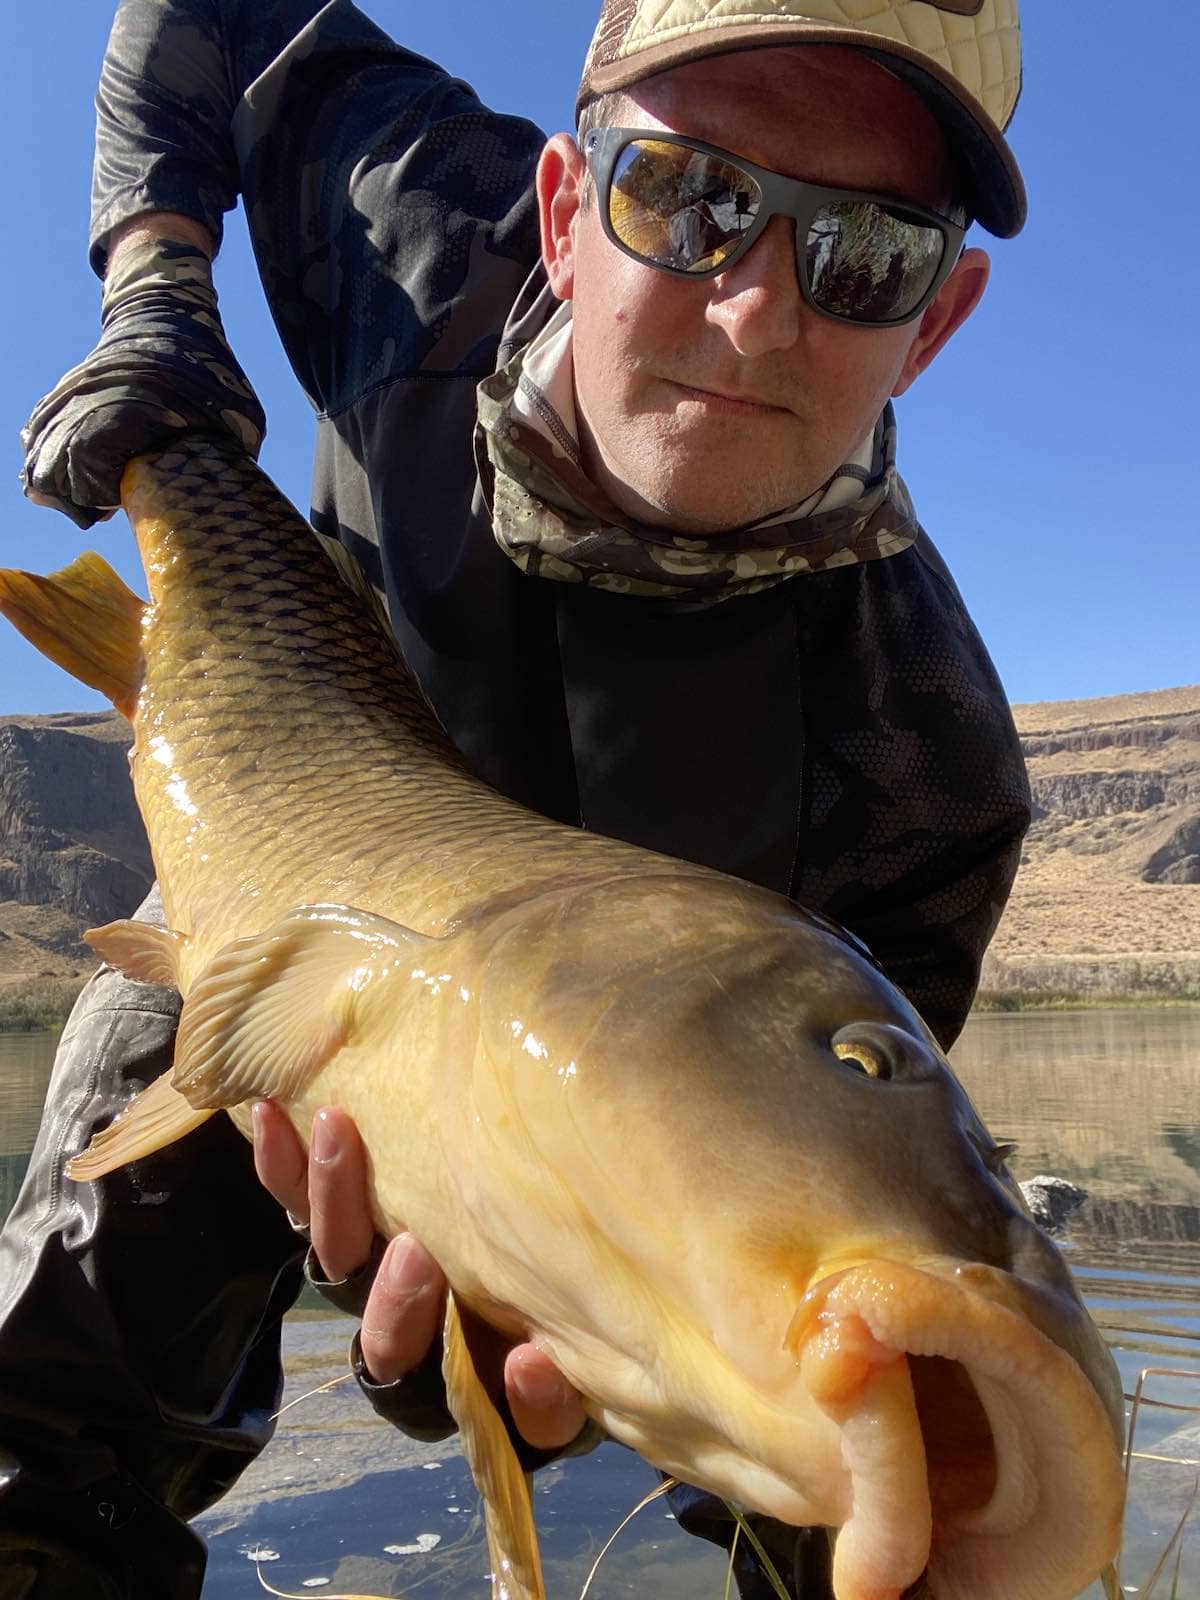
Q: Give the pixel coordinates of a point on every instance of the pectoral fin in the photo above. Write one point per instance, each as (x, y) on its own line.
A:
(139, 950)
(152, 1120)
(503, 1486)
(266, 1012)
(86, 619)
(270, 1010)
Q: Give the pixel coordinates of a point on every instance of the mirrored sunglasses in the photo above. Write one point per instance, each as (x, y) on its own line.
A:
(692, 210)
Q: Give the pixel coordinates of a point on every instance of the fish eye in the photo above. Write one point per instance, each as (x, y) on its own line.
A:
(886, 1052)
(862, 1056)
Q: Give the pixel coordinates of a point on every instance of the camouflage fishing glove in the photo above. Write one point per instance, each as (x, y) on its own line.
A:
(162, 368)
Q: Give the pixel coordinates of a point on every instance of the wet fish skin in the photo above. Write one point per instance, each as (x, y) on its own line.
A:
(249, 614)
(683, 1134)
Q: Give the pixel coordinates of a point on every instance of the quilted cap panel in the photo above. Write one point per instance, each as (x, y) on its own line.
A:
(965, 55)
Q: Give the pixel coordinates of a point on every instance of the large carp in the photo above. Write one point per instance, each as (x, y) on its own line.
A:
(680, 1133)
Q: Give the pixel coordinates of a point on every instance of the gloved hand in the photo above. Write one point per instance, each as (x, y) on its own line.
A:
(162, 368)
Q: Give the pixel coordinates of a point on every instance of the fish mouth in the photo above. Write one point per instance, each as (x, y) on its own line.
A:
(980, 1462)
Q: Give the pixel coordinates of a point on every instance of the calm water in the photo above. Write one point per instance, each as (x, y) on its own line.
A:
(1110, 1100)
(25, 1062)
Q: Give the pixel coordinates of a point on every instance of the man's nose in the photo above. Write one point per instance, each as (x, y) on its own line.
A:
(757, 304)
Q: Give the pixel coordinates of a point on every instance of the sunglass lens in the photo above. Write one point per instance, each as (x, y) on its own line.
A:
(680, 208)
(868, 263)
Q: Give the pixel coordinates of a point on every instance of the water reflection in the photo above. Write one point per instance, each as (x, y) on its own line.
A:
(1108, 1099)
(25, 1062)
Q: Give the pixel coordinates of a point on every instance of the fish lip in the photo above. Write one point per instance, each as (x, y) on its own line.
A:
(1046, 1307)
(1041, 1310)
(1042, 1411)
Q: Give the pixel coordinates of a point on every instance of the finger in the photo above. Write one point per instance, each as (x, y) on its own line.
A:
(340, 1224)
(548, 1412)
(279, 1158)
(404, 1311)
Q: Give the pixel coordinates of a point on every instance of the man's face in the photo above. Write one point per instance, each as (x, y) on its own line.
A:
(709, 404)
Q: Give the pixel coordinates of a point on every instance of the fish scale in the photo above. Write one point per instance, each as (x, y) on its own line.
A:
(307, 658)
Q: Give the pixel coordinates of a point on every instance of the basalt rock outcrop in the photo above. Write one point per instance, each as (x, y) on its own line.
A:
(73, 851)
(1107, 900)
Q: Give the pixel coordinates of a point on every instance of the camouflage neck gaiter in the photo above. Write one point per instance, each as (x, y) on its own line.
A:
(554, 522)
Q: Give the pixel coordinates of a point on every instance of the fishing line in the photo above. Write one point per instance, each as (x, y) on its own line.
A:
(1173, 1545)
(1111, 1576)
(334, 1383)
(285, 1594)
(755, 1543)
(733, 1544)
(664, 1488)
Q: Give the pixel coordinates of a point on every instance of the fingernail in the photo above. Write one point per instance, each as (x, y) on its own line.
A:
(325, 1146)
(407, 1267)
(258, 1118)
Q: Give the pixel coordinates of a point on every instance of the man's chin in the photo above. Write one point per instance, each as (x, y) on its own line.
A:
(698, 488)
(698, 481)
(694, 516)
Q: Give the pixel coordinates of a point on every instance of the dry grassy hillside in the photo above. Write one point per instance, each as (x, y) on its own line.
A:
(1107, 899)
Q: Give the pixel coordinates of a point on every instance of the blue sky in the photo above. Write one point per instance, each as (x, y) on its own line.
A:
(1047, 450)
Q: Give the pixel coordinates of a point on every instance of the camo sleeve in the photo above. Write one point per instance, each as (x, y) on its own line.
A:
(173, 74)
(378, 188)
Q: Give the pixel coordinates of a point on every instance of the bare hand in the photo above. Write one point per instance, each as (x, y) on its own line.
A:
(404, 1310)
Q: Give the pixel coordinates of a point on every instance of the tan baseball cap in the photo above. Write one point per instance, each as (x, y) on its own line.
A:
(962, 56)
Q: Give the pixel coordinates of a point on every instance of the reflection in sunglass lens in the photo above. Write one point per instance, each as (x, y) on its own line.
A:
(870, 263)
(678, 207)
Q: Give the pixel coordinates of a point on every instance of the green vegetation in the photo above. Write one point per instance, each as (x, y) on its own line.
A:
(1068, 1000)
(36, 1004)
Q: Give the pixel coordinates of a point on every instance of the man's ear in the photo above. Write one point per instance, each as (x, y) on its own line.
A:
(560, 179)
(953, 304)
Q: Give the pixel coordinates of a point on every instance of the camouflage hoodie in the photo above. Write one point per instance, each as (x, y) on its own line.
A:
(555, 523)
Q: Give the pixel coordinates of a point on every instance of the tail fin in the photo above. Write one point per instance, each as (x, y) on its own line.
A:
(86, 619)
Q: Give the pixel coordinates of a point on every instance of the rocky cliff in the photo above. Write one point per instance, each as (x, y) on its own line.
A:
(73, 853)
(1107, 899)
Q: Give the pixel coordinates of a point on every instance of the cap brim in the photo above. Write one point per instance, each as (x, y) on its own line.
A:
(996, 189)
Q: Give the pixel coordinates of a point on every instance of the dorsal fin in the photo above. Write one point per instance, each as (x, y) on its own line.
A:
(86, 619)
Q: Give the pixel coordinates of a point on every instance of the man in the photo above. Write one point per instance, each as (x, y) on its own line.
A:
(633, 512)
